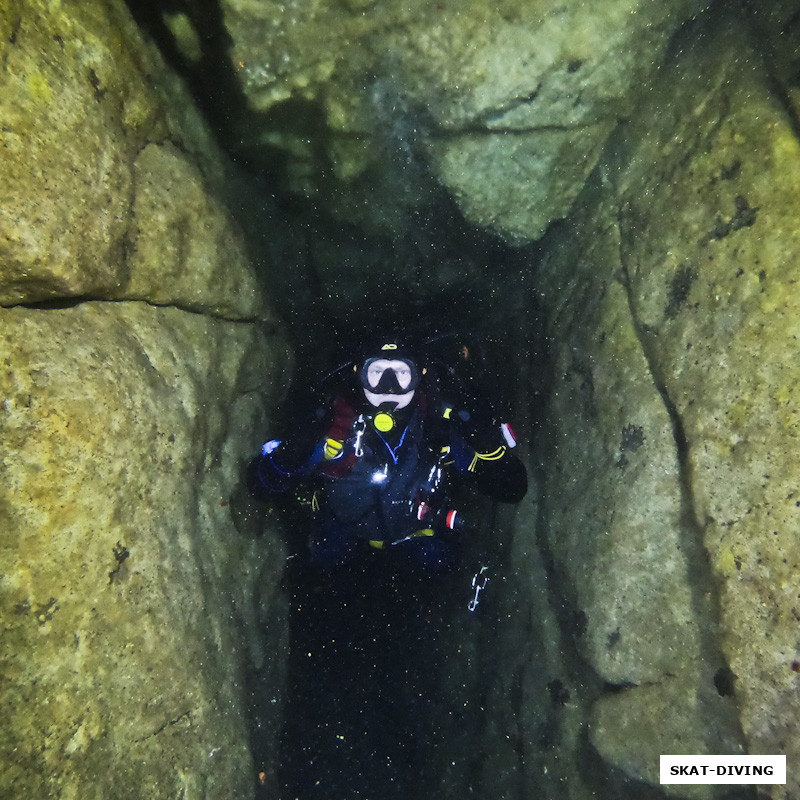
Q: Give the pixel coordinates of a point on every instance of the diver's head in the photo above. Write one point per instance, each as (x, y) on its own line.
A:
(389, 376)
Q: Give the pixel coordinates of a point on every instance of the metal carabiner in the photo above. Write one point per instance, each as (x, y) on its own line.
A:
(478, 587)
(359, 427)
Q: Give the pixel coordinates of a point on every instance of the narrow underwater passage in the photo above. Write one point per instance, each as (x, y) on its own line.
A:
(362, 678)
(388, 667)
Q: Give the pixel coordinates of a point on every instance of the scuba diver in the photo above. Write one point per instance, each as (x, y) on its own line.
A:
(383, 454)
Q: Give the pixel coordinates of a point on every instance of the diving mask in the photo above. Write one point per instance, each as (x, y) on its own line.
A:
(389, 380)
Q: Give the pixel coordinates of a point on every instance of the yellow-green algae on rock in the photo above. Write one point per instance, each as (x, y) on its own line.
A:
(103, 153)
(130, 607)
(614, 519)
(697, 208)
(127, 597)
(728, 357)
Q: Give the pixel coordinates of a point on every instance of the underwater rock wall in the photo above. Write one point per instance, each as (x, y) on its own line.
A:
(670, 439)
(378, 105)
(138, 356)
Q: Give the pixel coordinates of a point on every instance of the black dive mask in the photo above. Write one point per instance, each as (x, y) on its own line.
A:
(382, 376)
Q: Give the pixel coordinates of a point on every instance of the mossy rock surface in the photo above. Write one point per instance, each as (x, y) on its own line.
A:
(111, 184)
(130, 605)
(697, 212)
(135, 375)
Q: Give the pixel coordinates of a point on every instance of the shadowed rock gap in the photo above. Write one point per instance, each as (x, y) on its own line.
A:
(362, 678)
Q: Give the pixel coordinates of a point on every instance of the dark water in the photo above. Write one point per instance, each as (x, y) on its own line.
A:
(361, 680)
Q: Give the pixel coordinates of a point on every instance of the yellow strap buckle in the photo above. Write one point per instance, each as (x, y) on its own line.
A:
(332, 449)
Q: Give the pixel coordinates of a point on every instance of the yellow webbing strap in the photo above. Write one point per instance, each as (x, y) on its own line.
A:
(495, 455)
